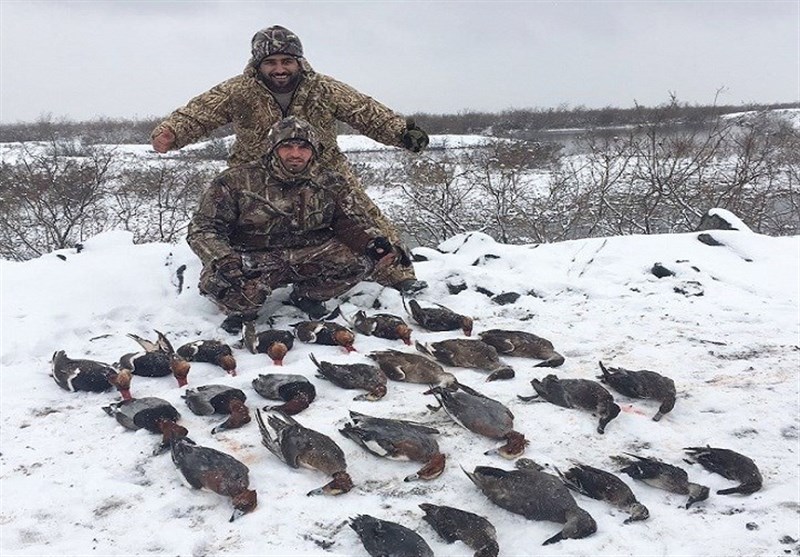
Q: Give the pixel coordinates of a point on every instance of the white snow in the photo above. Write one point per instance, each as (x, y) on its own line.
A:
(74, 482)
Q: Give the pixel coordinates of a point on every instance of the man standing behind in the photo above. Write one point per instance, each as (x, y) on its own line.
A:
(282, 221)
(279, 82)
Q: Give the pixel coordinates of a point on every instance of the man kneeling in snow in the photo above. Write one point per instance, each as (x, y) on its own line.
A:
(283, 220)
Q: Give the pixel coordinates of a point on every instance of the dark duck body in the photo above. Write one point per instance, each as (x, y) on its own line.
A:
(354, 376)
(535, 495)
(210, 352)
(641, 384)
(482, 415)
(219, 399)
(471, 353)
(398, 440)
(382, 538)
(454, 524)
(731, 465)
(327, 333)
(604, 486)
(440, 318)
(275, 343)
(203, 467)
(663, 476)
(523, 345)
(382, 325)
(158, 360)
(153, 414)
(576, 393)
(89, 375)
(411, 368)
(300, 446)
(296, 391)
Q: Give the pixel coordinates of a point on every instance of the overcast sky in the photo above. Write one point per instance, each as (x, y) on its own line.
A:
(138, 59)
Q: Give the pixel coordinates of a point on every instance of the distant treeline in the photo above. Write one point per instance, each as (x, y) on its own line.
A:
(508, 122)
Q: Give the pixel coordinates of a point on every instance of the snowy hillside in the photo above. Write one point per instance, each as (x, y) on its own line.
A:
(725, 327)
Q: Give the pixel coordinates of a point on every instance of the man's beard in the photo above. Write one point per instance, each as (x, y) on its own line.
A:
(287, 87)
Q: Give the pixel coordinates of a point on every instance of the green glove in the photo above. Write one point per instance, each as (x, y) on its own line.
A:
(414, 139)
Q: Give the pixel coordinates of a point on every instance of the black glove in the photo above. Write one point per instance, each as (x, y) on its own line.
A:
(378, 247)
(414, 139)
(403, 255)
(229, 268)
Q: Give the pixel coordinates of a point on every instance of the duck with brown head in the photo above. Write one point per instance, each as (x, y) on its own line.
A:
(219, 399)
(211, 352)
(89, 375)
(153, 414)
(159, 359)
(439, 318)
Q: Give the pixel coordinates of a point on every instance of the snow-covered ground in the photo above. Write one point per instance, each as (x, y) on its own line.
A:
(725, 327)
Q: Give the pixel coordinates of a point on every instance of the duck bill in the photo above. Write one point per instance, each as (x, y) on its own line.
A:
(555, 539)
(236, 514)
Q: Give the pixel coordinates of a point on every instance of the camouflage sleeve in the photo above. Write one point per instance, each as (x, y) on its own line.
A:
(352, 224)
(365, 114)
(210, 227)
(201, 115)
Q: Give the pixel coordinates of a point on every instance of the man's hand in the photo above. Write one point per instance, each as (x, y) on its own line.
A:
(378, 248)
(229, 268)
(414, 139)
(164, 141)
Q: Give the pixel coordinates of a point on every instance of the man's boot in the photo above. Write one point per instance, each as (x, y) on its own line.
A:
(315, 309)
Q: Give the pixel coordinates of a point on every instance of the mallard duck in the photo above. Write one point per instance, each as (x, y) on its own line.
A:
(523, 345)
(641, 384)
(411, 368)
(299, 446)
(398, 440)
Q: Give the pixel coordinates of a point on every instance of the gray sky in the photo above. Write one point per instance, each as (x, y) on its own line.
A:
(138, 59)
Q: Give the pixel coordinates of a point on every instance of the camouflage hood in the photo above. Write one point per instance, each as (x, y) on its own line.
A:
(291, 128)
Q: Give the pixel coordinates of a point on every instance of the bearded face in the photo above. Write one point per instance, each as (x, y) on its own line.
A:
(280, 72)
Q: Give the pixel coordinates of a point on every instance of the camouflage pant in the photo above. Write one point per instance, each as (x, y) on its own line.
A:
(392, 274)
(317, 272)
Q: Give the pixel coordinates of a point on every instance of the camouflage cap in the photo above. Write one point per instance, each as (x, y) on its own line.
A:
(274, 40)
(292, 128)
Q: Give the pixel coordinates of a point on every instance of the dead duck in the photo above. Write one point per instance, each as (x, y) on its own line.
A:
(382, 538)
(576, 393)
(354, 376)
(382, 325)
(204, 467)
(641, 384)
(153, 414)
(299, 446)
(411, 368)
(604, 486)
(295, 391)
(731, 465)
(398, 440)
(219, 399)
(325, 332)
(454, 524)
(210, 352)
(89, 375)
(662, 476)
(470, 353)
(523, 345)
(439, 318)
(275, 343)
(159, 359)
(535, 495)
(482, 415)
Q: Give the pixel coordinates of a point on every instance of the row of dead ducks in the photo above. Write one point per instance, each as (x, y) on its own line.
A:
(528, 490)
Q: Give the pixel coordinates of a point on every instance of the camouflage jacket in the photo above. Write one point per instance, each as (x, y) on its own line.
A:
(247, 208)
(320, 100)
